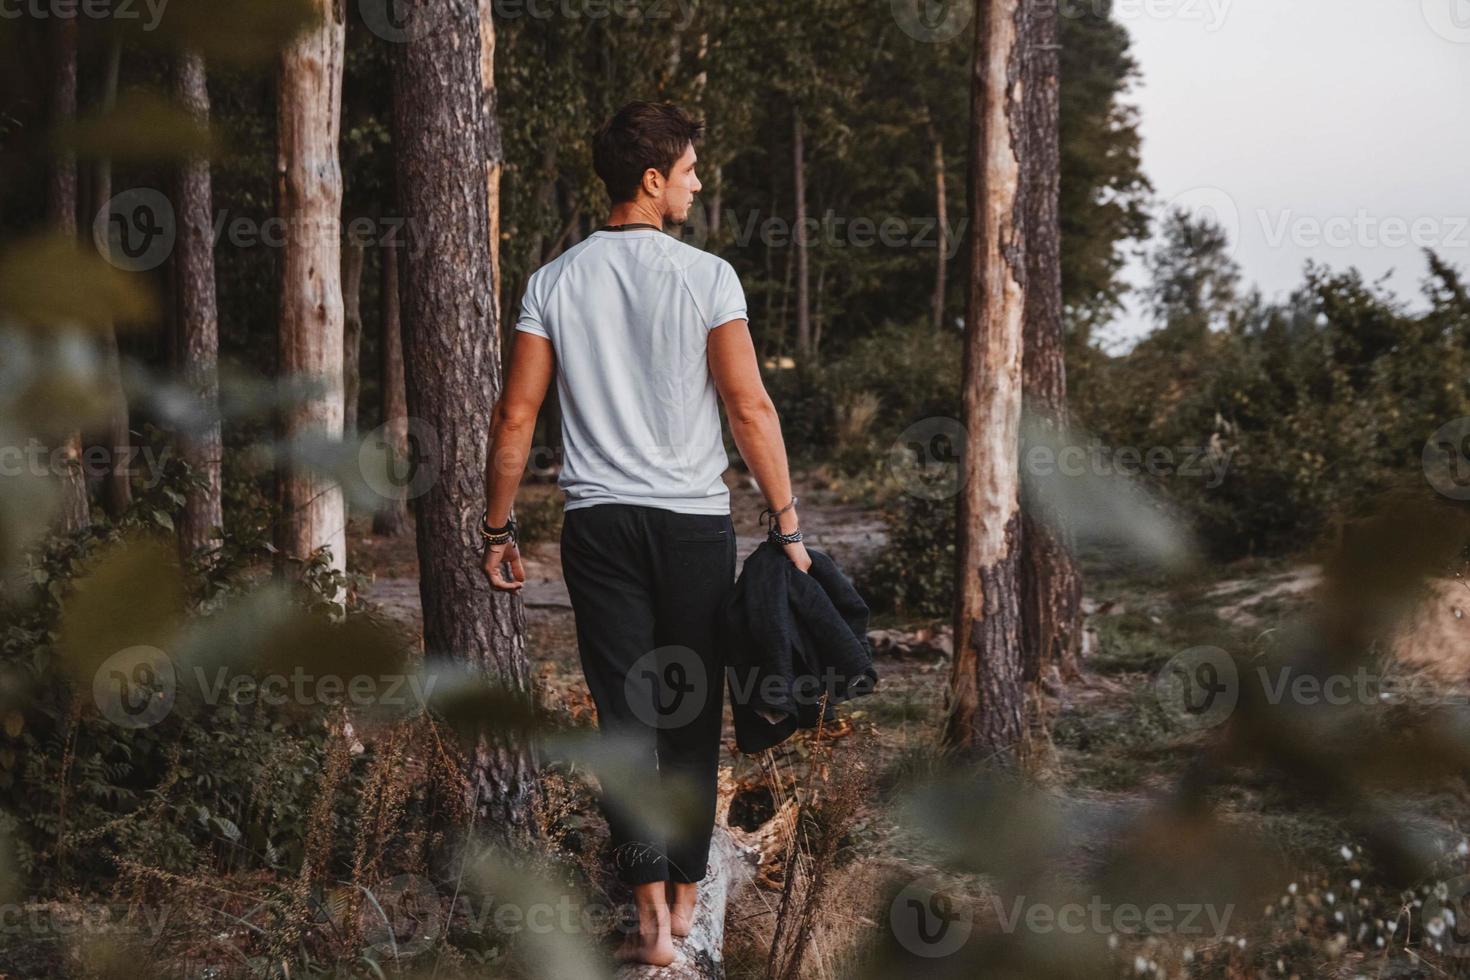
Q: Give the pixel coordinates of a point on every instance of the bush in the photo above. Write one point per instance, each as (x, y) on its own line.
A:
(913, 576)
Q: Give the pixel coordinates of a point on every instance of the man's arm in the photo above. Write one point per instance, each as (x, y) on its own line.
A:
(754, 422)
(512, 427)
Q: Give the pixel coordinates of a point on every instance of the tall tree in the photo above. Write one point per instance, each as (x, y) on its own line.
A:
(799, 242)
(1051, 588)
(61, 206)
(493, 146)
(391, 519)
(1104, 192)
(196, 318)
(452, 359)
(352, 259)
(309, 349)
(986, 694)
(941, 219)
(117, 485)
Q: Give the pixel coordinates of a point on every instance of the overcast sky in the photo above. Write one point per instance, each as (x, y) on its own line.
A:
(1333, 130)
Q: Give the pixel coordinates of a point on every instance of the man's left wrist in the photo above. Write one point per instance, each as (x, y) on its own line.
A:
(497, 533)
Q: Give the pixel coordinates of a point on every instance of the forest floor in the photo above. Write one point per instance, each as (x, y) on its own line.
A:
(1109, 750)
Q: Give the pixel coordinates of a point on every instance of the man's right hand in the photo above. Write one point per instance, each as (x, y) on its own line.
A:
(796, 551)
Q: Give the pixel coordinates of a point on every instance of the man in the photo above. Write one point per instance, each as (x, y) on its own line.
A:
(642, 331)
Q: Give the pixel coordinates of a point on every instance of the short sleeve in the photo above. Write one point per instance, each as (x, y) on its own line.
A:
(728, 301)
(531, 305)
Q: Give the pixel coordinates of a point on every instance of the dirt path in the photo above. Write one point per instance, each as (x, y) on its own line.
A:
(850, 533)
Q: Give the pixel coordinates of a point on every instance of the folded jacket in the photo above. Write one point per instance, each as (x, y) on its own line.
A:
(789, 638)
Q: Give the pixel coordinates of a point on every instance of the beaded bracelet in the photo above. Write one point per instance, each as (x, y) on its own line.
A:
(497, 535)
(773, 531)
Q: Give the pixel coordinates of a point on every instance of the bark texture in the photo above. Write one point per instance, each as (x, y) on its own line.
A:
(986, 692)
(309, 193)
(351, 336)
(196, 318)
(391, 519)
(452, 369)
(493, 148)
(1051, 587)
(941, 218)
(799, 243)
(61, 209)
(117, 485)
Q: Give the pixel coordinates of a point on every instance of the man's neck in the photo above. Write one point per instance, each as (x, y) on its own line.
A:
(634, 213)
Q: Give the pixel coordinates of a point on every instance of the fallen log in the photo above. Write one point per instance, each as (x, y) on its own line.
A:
(732, 863)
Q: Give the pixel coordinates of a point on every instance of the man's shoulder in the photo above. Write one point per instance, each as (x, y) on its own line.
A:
(550, 270)
(705, 267)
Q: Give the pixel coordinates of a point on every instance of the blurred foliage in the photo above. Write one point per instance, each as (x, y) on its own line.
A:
(279, 833)
(39, 281)
(1312, 408)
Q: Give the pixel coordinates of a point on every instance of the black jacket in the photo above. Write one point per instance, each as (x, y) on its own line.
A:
(790, 637)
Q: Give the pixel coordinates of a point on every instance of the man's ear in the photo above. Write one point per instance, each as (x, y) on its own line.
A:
(653, 182)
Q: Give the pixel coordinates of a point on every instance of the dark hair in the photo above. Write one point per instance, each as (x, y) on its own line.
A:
(638, 136)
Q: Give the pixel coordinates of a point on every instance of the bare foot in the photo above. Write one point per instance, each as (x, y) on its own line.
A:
(656, 949)
(651, 943)
(682, 899)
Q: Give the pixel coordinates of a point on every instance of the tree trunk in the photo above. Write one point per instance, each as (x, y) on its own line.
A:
(451, 359)
(61, 206)
(197, 322)
(941, 217)
(351, 336)
(117, 495)
(1051, 587)
(493, 148)
(798, 241)
(986, 692)
(818, 319)
(309, 115)
(392, 519)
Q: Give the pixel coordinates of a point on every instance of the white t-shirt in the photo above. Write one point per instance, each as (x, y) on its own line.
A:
(628, 314)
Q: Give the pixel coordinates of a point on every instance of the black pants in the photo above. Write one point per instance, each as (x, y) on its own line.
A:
(646, 586)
